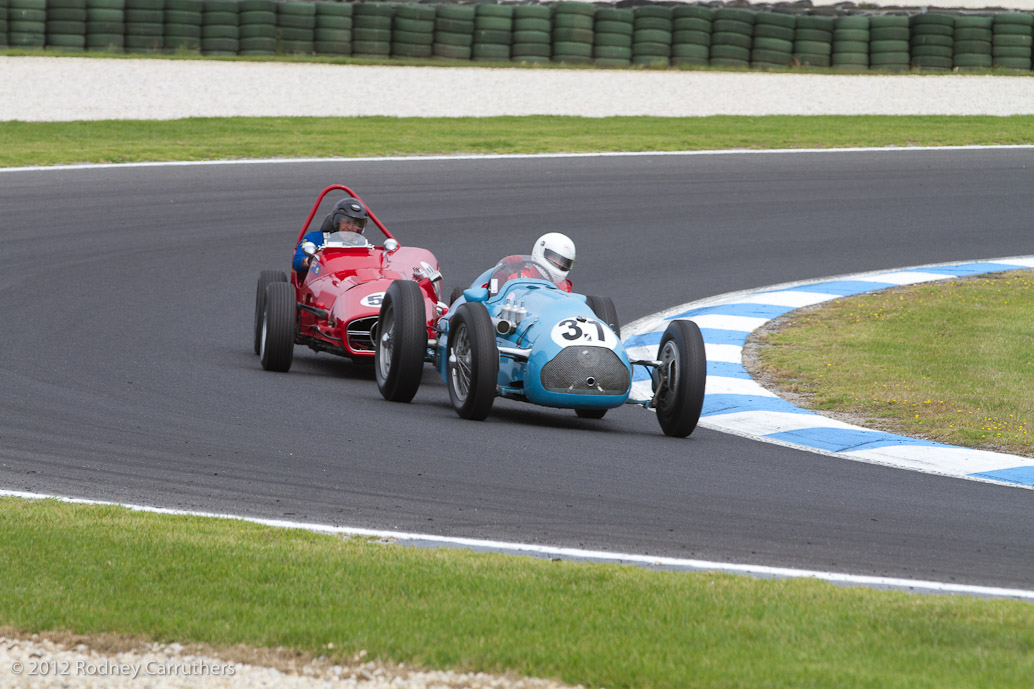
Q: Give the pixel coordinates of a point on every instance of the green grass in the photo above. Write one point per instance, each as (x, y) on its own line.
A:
(51, 143)
(88, 570)
(949, 361)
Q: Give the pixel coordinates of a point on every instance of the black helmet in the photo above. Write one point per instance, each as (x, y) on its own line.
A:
(348, 209)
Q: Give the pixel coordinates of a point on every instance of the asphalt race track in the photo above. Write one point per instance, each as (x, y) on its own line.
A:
(127, 371)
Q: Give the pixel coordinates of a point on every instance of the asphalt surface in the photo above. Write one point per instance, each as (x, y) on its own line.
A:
(127, 371)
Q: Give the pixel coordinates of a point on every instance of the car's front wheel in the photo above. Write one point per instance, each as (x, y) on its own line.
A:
(279, 322)
(605, 310)
(473, 361)
(683, 374)
(401, 341)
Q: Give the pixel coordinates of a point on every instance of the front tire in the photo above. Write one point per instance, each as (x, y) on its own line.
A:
(279, 323)
(682, 379)
(401, 341)
(605, 310)
(265, 277)
(590, 413)
(473, 362)
(456, 293)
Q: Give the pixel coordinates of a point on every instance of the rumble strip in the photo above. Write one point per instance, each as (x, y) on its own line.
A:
(735, 403)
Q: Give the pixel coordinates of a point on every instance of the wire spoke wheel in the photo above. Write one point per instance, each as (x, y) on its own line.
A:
(460, 363)
(401, 336)
(385, 340)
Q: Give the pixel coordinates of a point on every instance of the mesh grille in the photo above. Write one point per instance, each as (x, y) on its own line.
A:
(571, 369)
(358, 334)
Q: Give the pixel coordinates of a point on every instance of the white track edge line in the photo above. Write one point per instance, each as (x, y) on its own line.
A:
(511, 156)
(596, 555)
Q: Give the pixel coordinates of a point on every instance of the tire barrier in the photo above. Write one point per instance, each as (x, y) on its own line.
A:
(773, 40)
(573, 32)
(493, 33)
(888, 43)
(453, 32)
(973, 39)
(564, 31)
(295, 27)
(145, 26)
(851, 38)
(333, 29)
(652, 36)
(932, 41)
(257, 27)
(66, 25)
(813, 41)
(182, 31)
(732, 35)
(1011, 40)
(412, 34)
(371, 29)
(26, 23)
(105, 25)
(532, 34)
(691, 36)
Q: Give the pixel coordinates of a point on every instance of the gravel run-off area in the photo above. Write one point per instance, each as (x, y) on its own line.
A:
(63, 89)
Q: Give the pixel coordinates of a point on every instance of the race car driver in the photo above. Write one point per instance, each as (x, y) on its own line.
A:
(552, 252)
(555, 251)
(348, 215)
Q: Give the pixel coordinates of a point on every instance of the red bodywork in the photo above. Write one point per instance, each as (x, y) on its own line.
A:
(339, 298)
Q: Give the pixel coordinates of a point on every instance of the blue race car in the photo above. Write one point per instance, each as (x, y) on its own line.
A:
(515, 334)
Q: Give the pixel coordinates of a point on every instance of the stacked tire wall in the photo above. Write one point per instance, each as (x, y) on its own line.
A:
(563, 31)
(66, 25)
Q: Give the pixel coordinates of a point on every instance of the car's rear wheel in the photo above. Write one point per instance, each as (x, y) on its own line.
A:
(682, 378)
(401, 341)
(279, 322)
(473, 362)
(590, 413)
(265, 277)
(605, 310)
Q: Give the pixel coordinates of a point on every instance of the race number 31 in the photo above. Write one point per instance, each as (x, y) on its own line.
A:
(582, 331)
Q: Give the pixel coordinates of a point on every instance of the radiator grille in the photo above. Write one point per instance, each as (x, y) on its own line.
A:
(358, 334)
(570, 371)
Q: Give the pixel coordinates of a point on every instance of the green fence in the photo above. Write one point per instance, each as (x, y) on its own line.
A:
(568, 31)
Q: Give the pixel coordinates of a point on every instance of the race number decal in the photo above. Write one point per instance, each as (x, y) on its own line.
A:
(582, 331)
(374, 299)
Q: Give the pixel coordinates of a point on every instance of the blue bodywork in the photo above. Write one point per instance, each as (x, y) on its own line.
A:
(590, 370)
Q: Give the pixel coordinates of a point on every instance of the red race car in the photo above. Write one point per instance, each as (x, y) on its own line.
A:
(334, 306)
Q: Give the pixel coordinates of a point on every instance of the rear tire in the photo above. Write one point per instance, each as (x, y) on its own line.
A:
(265, 277)
(604, 308)
(682, 395)
(401, 341)
(279, 323)
(473, 362)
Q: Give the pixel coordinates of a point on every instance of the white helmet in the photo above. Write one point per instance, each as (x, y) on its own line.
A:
(555, 251)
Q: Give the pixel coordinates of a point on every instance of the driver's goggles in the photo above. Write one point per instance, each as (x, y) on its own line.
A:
(561, 262)
(357, 224)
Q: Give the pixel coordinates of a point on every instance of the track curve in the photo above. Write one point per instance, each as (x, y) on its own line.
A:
(127, 371)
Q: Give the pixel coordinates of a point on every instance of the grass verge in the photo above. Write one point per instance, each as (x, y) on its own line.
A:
(948, 361)
(90, 570)
(118, 141)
